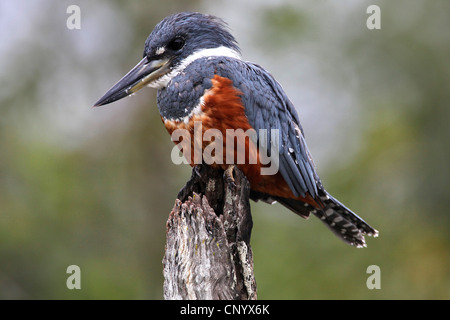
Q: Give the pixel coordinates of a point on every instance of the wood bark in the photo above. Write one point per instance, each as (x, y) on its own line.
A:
(208, 254)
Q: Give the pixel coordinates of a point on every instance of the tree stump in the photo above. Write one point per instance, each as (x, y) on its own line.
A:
(208, 254)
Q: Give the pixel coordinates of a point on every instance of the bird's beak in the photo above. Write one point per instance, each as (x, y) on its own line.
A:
(142, 74)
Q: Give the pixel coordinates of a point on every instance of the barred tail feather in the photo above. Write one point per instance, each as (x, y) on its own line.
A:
(346, 224)
(343, 222)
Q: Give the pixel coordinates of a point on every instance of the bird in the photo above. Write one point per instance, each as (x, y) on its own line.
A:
(195, 63)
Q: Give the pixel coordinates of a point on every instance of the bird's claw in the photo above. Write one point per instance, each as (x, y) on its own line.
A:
(196, 169)
(229, 177)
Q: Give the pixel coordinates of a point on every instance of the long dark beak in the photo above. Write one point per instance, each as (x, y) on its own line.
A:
(142, 74)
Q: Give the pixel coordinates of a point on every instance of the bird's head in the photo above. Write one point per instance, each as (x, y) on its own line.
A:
(175, 42)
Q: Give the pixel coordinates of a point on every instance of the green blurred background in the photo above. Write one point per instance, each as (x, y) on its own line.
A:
(94, 187)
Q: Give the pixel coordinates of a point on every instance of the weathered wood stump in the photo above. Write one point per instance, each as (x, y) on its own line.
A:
(208, 253)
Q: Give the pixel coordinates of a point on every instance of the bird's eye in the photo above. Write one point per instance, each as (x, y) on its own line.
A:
(176, 44)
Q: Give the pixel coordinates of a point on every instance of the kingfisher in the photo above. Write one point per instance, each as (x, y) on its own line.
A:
(195, 64)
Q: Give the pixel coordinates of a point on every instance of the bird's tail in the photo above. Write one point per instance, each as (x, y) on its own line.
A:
(342, 221)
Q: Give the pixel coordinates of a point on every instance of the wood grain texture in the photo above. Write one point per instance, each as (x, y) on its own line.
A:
(208, 253)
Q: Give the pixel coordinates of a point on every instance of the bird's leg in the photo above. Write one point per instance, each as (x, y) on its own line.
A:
(192, 185)
(196, 169)
(229, 177)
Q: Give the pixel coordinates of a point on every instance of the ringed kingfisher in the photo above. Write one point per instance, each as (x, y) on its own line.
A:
(195, 64)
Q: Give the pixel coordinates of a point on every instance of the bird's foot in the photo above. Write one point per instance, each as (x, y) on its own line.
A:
(190, 186)
(228, 176)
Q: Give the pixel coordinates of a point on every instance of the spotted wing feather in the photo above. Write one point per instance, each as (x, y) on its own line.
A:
(268, 107)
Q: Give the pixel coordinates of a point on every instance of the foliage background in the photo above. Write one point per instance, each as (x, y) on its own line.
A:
(94, 187)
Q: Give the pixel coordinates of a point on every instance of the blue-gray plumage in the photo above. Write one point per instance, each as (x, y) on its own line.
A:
(195, 64)
(194, 29)
(266, 107)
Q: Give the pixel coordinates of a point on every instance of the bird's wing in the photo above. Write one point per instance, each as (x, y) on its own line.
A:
(268, 107)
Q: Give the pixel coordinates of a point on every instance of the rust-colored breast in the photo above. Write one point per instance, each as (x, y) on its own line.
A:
(221, 109)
